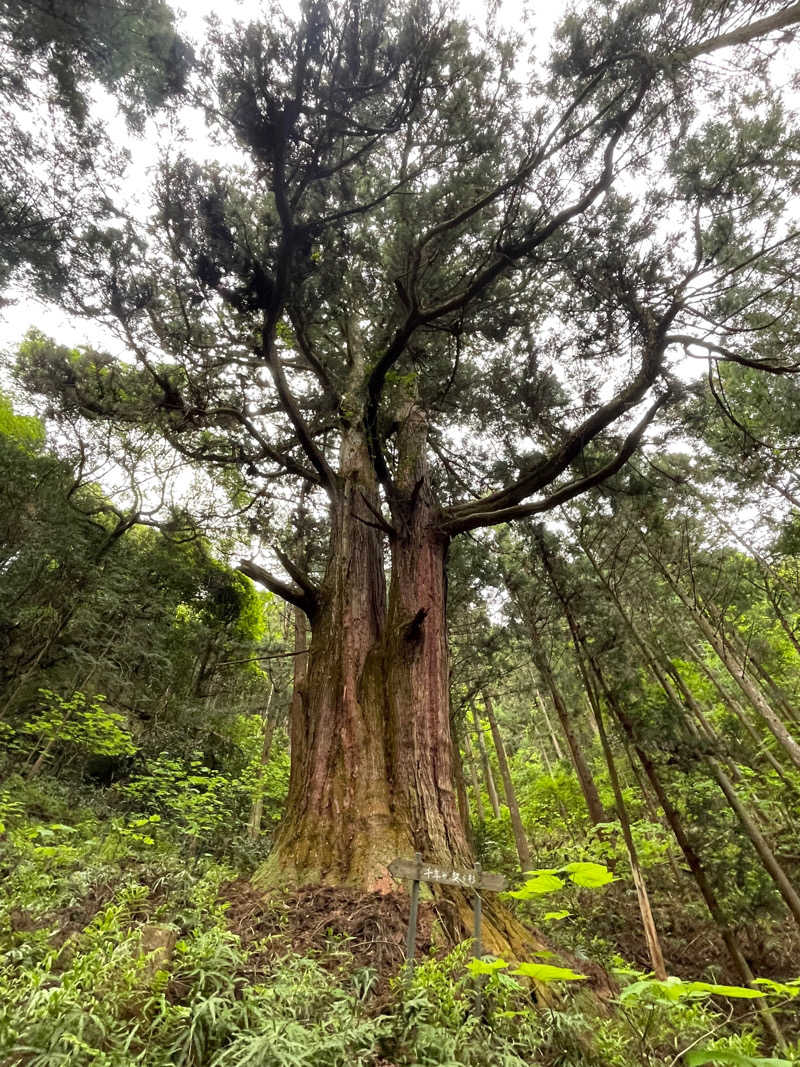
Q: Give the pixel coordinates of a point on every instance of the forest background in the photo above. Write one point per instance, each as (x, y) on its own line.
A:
(419, 292)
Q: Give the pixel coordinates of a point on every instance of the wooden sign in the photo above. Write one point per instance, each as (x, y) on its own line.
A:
(419, 871)
(476, 880)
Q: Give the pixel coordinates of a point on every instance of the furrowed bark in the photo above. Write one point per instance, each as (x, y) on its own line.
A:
(339, 826)
(412, 669)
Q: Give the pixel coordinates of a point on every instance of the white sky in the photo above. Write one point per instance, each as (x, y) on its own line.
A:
(24, 312)
(19, 316)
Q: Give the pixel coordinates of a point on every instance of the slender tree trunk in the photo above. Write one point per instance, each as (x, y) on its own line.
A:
(559, 754)
(745, 655)
(542, 746)
(694, 864)
(700, 725)
(297, 722)
(586, 663)
(780, 615)
(585, 778)
(642, 896)
(520, 838)
(268, 726)
(738, 672)
(473, 776)
(737, 709)
(759, 842)
(491, 789)
(461, 787)
(748, 824)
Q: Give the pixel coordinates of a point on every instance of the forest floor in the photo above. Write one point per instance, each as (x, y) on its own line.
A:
(120, 948)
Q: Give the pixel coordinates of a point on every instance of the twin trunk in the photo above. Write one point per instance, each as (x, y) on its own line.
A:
(373, 774)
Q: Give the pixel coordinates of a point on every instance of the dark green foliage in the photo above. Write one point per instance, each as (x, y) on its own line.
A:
(115, 649)
(57, 161)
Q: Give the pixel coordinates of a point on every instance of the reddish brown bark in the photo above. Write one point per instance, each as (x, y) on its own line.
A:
(338, 822)
(374, 772)
(414, 665)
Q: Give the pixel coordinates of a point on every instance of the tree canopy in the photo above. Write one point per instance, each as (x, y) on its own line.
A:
(405, 220)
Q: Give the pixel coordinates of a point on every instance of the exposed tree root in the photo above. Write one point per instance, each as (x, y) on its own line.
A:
(373, 927)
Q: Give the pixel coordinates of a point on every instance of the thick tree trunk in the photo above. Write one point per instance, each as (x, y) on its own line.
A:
(339, 826)
(373, 770)
(412, 672)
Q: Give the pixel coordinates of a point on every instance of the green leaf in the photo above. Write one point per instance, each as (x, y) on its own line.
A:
(546, 972)
(673, 990)
(670, 991)
(784, 989)
(726, 1058)
(486, 966)
(542, 883)
(736, 991)
(589, 875)
(555, 915)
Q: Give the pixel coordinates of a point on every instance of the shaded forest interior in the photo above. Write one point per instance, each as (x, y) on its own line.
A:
(399, 456)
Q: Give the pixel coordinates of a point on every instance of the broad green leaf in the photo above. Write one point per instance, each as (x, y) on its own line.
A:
(555, 915)
(546, 972)
(784, 989)
(542, 883)
(726, 1058)
(589, 875)
(670, 991)
(673, 990)
(486, 966)
(736, 991)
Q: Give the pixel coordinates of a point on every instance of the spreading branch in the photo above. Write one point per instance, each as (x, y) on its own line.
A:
(474, 520)
(293, 594)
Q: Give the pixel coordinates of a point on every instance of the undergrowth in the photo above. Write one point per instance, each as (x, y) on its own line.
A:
(117, 950)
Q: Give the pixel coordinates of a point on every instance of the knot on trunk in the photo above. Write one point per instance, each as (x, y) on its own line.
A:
(413, 629)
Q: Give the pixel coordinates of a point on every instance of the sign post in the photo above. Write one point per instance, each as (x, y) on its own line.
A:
(476, 913)
(418, 871)
(411, 936)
